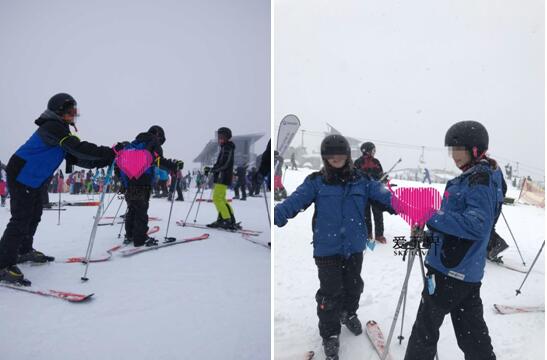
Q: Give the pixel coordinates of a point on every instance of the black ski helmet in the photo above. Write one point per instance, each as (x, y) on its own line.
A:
(470, 134)
(335, 145)
(367, 147)
(225, 131)
(61, 103)
(158, 131)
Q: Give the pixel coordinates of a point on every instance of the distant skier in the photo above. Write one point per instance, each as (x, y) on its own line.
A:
(279, 190)
(241, 183)
(29, 170)
(426, 176)
(372, 167)
(458, 234)
(222, 178)
(339, 193)
(147, 145)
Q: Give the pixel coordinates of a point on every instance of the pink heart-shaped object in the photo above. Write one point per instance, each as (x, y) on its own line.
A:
(134, 162)
(416, 205)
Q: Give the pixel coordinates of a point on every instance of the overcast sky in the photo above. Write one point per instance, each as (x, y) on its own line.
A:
(190, 66)
(405, 71)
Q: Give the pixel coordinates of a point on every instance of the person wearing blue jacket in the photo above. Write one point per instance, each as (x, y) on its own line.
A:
(340, 193)
(458, 234)
(29, 170)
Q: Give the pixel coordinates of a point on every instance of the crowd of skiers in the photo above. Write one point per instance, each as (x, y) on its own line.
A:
(458, 235)
(135, 168)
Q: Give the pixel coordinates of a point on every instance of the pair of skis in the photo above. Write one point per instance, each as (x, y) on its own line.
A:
(138, 250)
(246, 234)
(376, 336)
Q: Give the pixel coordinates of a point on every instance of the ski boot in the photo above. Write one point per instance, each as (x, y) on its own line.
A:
(12, 275)
(127, 239)
(331, 346)
(352, 323)
(227, 225)
(149, 241)
(35, 257)
(498, 247)
(215, 224)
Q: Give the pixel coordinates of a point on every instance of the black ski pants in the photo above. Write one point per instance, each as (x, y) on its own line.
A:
(240, 186)
(378, 220)
(136, 220)
(26, 213)
(463, 302)
(340, 289)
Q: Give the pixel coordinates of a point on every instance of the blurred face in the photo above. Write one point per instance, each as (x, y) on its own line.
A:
(222, 140)
(460, 155)
(337, 161)
(71, 115)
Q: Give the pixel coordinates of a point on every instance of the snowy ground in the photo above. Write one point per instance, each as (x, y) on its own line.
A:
(203, 300)
(514, 337)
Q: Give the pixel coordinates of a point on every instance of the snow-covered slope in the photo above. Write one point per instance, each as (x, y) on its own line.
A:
(202, 300)
(514, 337)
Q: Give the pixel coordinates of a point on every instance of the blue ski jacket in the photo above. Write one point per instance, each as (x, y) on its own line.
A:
(461, 228)
(36, 160)
(339, 220)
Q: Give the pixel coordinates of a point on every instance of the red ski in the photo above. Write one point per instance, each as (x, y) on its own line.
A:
(63, 295)
(506, 309)
(81, 259)
(377, 338)
(142, 249)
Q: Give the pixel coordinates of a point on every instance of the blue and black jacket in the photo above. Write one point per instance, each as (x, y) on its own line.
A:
(461, 229)
(339, 220)
(37, 159)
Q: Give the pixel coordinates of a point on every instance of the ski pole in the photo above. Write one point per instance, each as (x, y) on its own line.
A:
(533, 263)
(390, 170)
(191, 205)
(59, 188)
(401, 337)
(96, 223)
(201, 199)
(267, 205)
(117, 211)
(123, 222)
(515, 241)
(107, 206)
(167, 239)
(399, 303)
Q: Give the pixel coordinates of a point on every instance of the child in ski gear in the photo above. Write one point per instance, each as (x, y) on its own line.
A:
(222, 178)
(372, 167)
(145, 150)
(28, 171)
(340, 194)
(459, 234)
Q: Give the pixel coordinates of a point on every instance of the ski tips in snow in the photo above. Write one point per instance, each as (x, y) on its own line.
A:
(376, 337)
(507, 309)
(62, 295)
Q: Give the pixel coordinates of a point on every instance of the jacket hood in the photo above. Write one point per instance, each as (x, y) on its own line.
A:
(49, 115)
